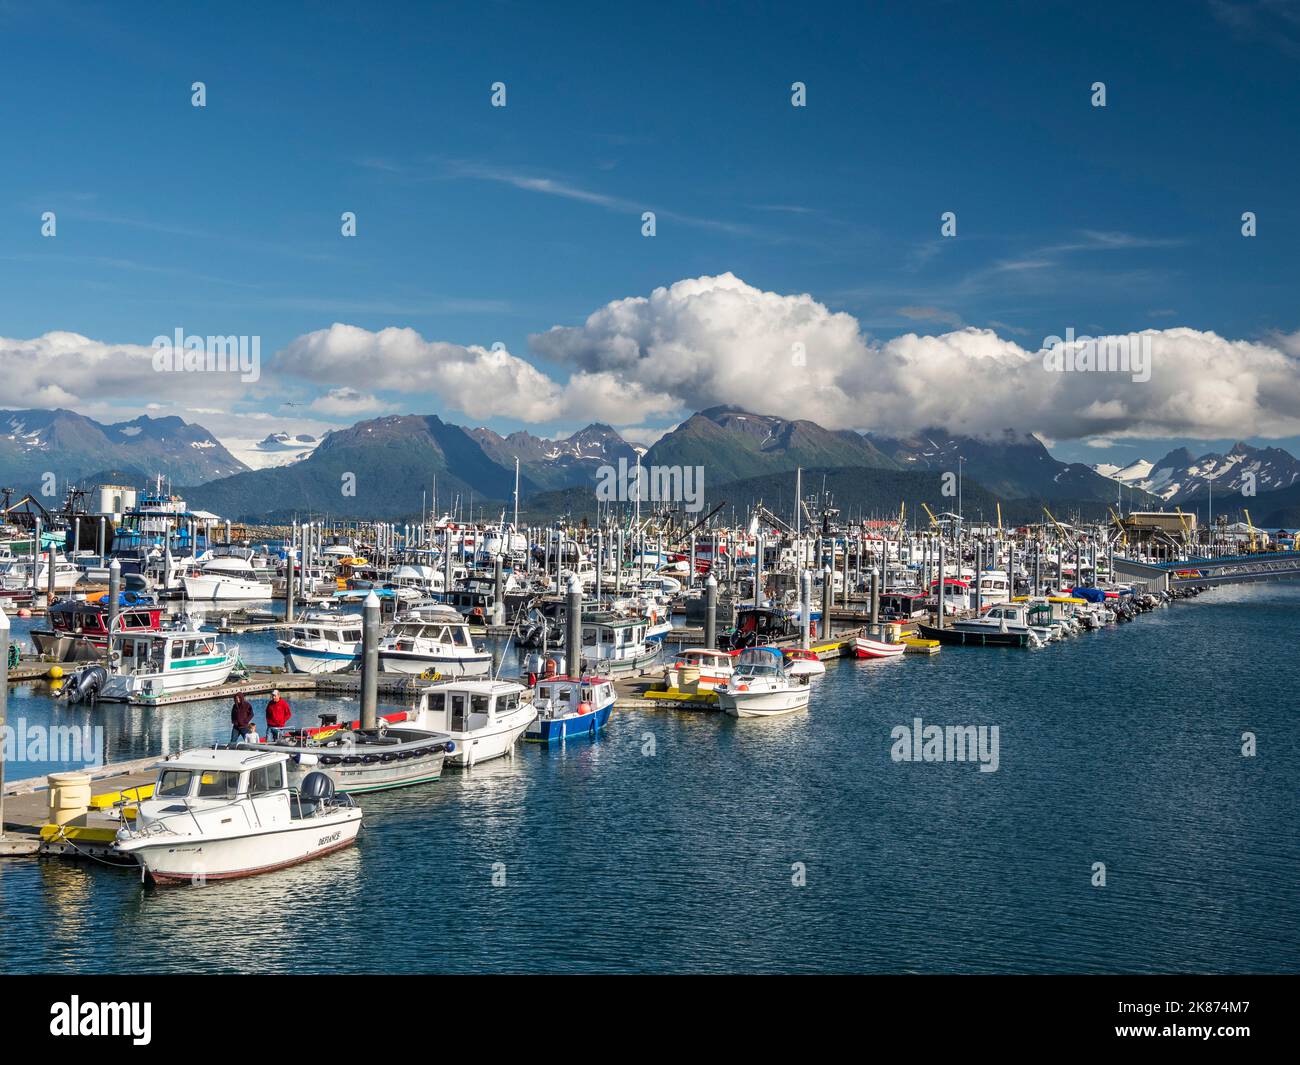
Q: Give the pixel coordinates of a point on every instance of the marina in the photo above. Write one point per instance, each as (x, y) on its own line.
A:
(554, 492)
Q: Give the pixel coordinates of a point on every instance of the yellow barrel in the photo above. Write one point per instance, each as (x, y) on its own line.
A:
(69, 796)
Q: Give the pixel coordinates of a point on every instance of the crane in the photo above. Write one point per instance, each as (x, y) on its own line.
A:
(933, 520)
(1251, 526)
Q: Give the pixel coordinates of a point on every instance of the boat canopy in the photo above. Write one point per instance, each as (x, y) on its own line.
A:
(762, 658)
(1092, 595)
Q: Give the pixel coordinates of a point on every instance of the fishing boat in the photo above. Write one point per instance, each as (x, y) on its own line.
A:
(483, 718)
(803, 663)
(226, 578)
(761, 686)
(220, 814)
(432, 638)
(78, 629)
(359, 760)
(756, 626)
(322, 642)
(147, 665)
(613, 644)
(568, 707)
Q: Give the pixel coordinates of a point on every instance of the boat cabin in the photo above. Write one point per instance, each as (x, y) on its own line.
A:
(458, 707)
(902, 606)
(759, 625)
(167, 649)
(610, 638)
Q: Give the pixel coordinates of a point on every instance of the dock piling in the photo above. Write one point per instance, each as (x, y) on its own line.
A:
(370, 662)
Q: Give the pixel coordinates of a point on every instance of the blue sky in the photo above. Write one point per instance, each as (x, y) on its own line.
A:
(480, 224)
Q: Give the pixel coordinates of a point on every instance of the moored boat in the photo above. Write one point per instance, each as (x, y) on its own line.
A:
(803, 663)
(483, 718)
(761, 687)
(220, 814)
(568, 707)
(147, 665)
(322, 642)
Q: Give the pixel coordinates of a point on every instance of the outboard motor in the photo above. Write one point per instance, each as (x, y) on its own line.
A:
(86, 684)
(316, 787)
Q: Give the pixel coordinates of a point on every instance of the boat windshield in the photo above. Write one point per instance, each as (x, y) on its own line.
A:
(761, 661)
(218, 784)
(174, 783)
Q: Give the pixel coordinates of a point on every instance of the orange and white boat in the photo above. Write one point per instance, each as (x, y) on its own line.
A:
(715, 667)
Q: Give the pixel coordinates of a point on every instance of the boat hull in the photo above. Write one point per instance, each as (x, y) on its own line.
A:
(415, 663)
(962, 637)
(135, 687)
(573, 726)
(184, 860)
(763, 704)
(308, 660)
(865, 648)
(219, 589)
(361, 777)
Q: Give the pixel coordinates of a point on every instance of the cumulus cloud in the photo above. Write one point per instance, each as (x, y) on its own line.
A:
(481, 382)
(718, 340)
(63, 369)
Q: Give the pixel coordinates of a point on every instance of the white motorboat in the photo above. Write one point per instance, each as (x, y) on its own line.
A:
(1006, 619)
(147, 665)
(435, 639)
(482, 718)
(220, 814)
(227, 578)
(322, 643)
(994, 587)
(16, 574)
(761, 687)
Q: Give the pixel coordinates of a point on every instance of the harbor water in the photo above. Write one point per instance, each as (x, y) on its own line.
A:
(689, 841)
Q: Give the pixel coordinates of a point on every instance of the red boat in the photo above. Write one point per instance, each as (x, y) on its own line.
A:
(865, 648)
(78, 629)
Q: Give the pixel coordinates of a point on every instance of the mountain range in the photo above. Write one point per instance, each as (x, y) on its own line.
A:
(398, 466)
(1181, 478)
(72, 446)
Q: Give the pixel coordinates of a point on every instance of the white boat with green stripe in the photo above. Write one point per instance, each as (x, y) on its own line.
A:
(148, 665)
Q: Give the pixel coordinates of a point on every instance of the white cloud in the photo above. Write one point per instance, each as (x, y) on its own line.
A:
(347, 403)
(480, 382)
(61, 369)
(718, 340)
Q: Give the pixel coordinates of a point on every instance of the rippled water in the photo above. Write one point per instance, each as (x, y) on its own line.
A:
(1122, 747)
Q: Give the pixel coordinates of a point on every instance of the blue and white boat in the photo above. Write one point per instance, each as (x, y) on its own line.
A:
(568, 708)
(322, 643)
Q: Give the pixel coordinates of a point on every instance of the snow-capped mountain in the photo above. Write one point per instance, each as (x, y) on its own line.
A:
(560, 462)
(1180, 476)
(71, 446)
(273, 450)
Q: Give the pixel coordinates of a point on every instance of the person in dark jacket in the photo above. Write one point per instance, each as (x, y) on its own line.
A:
(278, 713)
(241, 718)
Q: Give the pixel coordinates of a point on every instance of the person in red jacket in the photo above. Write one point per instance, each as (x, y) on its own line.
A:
(277, 716)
